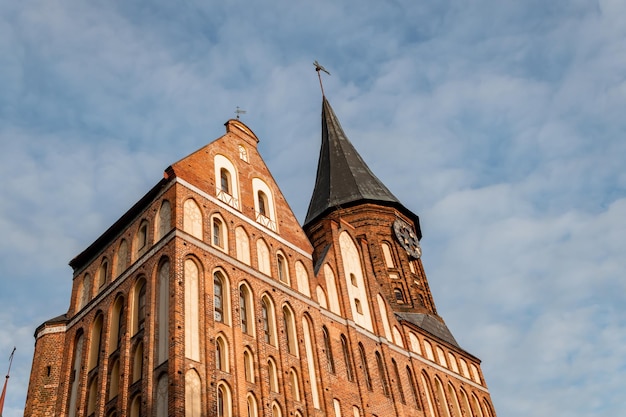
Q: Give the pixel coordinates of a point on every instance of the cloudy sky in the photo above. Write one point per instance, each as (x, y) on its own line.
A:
(500, 122)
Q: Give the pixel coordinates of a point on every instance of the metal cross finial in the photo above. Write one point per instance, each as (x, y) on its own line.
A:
(239, 111)
(319, 68)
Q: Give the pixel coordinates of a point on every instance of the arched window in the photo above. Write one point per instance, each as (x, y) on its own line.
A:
(243, 153)
(441, 396)
(218, 297)
(262, 201)
(355, 411)
(141, 239)
(396, 373)
(415, 343)
(162, 396)
(382, 309)
(337, 407)
(251, 405)
(308, 349)
(382, 374)
(397, 337)
(115, 329)
(331, 287)
(219, 232)
(96, 339)
(135, 406)
(488, 411)
(164, 220)
(295, 384)
(242, 245)
(387, 255)
(302, 278)
(192, 310)
(413, 386)
(92, 397)
(276, 411)
(464, 369)
(399, 295)
(358, 306)
(466, 403)
(163, 308)
(272, 375)
(75, 375)
(283, 268)
(452, 362)
(429, 350)
(427, 391)
(269, 320)
(321, 297)
(347, 358)
(192, 218)
(366, 372)
(290, 330)
(85, 292)
(441, 357)
(137, 368)
(246, 311)
(476, 403)
(475, 373)
(263, 257)
(122, 258)
(226, 186)
(193, 392)
(248, 365)
(264, 204)
(355, 285)
(222, 354)
(103, 273)
(454, 400)
(114, 380)
(329, 351)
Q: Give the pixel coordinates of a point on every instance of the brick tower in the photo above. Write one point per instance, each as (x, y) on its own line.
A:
(207, 298)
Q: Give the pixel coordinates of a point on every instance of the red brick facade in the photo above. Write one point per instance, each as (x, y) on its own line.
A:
(374, 372)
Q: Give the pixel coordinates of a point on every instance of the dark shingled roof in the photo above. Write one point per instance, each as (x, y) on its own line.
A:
(342, 175)
(431, 325)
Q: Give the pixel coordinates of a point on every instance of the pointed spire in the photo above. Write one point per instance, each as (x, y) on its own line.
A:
(343, 177)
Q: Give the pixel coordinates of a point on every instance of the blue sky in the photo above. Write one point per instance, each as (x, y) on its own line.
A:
(500, 123)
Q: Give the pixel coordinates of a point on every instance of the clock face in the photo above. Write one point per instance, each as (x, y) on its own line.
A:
(408, 239)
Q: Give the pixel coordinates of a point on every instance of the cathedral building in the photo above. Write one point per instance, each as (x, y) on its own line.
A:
(208, 298)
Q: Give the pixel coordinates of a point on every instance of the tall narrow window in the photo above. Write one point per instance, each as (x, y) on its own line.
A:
(441, 396)
(114, 380)
(398, 381)
(225, 180)
(263, 257)
(329, 352)
(242, 243)
(192, 218)
(218, 233)
(137, 363)
(251, 405)
(96, 340)
(193, 389)
(381, 374)
(141, 306)
(309, 352)
(224, 401)
(262, 201)
(366, 372)
(346, 358)
(302, 278)
(75, 375)
(413, 385)
(387, 255)
(103, 272)
(135, 407)
(218, 298)
(163, 308)
(290, 331)
(427, 392)
(248, 365)
(295, 384)
(272, 375)
(245, 310)
(222, 354)
(283, 270)
(269, 320)
(85, 292)
(92, 397)
(115, 333)
(122, 258)
(162, 396)
(276, 412)
(243, 153)
(163, 224)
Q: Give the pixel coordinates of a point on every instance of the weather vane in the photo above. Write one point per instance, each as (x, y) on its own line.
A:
(239, 111)
(319, 68)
